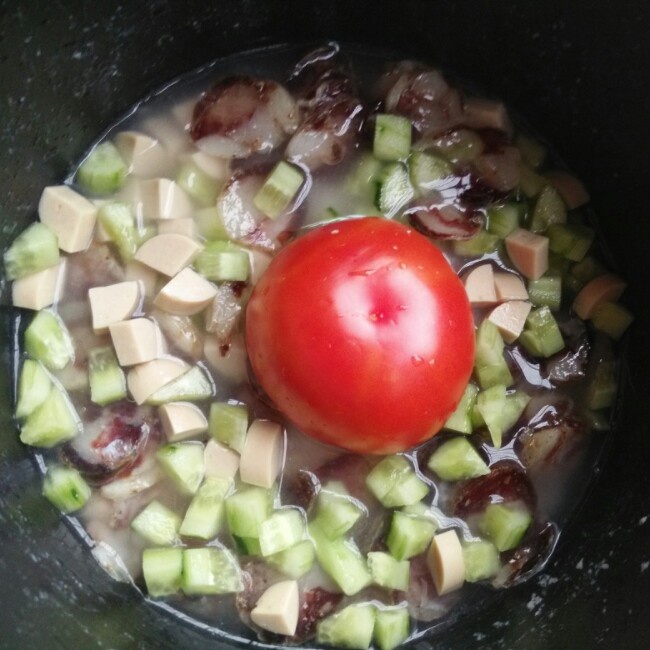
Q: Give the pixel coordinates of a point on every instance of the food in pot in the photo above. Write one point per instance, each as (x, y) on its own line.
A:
(320, 346)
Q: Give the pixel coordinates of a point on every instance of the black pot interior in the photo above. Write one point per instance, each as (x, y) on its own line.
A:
(574, 70)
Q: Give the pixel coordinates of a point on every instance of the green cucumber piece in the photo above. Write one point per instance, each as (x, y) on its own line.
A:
(505, 524)
(209, 224)
(489, 363)
(394, 482)
(603, 386)
(457, 460)
(532, 151)
(392, 627)
(352, 627)
(222, 261)
(516, 402)
(107, 380)
(336, 512)
(119, 223)
(409, 536)
(247, 509)
(283, 529)
(583, 272)
(541, 336)
(482, 243)
(546, 291)
(294, 561)
(228, 423)
(183, 463)
(364, 177)
(612, 318)
(570, 241)
(481, 560)
(157, 524)
(388, 572)
(427, 170)
(192, 386)
(341, 560)
(162, 569)
(53, 422)
(103, 171)
(394, 189)
(279, 189)
(248, 545)
(204, 515)
(503, 219)
(47, 340)
(549, 209)
(461, 419)
(491, 404)
(210, 570)
(197, 184)
(392, 137)
(35, 249)
(530, 182)
(65, 488)
(34, 386)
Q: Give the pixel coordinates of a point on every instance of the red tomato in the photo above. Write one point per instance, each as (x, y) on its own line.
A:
(362, 335)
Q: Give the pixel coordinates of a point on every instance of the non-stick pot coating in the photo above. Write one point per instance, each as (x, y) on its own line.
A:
(576, 70)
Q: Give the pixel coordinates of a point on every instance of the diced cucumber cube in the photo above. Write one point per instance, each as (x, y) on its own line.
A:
(228, 423)
(391, 627)
(571, 241)
(491, 404)
(103, 171)
(53, 422)
(489, 363)
(336, 512)
(204, 515)
(603, 385)
(505, 524)
(222, 261)
(47, 340)
(209, 224)
(197, 184)
(394, 482)
(352, 627)
(364, 177)
(460, 420)
(392, 137)
(515, 404)
(34, 386)
(394, 189)
(409, 536)
(157, 524)
(483, 242)
(481, 560)
(583, 272)
(183, 462)
(210, 570)
(119, 223)
(532, 151)
(283, 529)
(192, 386)
(294, 561)
(341, 560)
(107, 380)
(279, 189)
(503, 219)
(457, 460)
(246, 510)
(65, 488)
(541, 336)
(162, 569)
(388, 572)
(549, 209)
(35, 249)
(612, 319)
(546, 291)
(427, 170)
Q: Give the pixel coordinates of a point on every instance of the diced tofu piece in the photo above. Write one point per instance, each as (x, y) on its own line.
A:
(113, 303)
(164, 199)
(220, 461)
(70, 216)
(136, 341)
(216, 168)
(277, 608)
(446, 563)
(39, 290)
(131, 195)
(528, 252)
(262, 455)
(604, 288)
(169, 132)
(486, 114)
(144, 275)
(146, 378)
(182, 420)
(144, 156)
(510, 317)
(183, 111)
(570, 188)
(229, 361)
(168, 254)
(509, 287)
(185, 227)
(185, 294)
(479, 286)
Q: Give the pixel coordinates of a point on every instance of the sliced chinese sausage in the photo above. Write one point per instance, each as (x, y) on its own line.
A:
(486, 114)
(540, 448)
(228, 359)
(444, 222)
(499, 170)
(509, 286)
(168, 253)
(220, 461)
(479, 286)
(185, 294)
(261, 457)
(181, 420)
(528, 252)
(145, 379)
(39, 290)
(510, 318)
(240, 116)
(604, 288)
(446, 563)
(136, 341)
(278, 607)
(113, 304)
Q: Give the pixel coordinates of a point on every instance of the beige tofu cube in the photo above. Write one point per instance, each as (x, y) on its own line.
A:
(479, 286)
(168, 254)
(39, 290)
(604, 288)
(263, 453)
(278, 608)
(182, 420)
(216, 168)
(70, 216)
(169, 132)
(144, 275)
(113, 303)
(136, 341)
(570, 188)
(185, 227)
(509, 286)
(510, 317)
(145, 379)
(144, 156)
(185, 294)
(164, 199)
(528, 252)
(446, 562)
(220, 461)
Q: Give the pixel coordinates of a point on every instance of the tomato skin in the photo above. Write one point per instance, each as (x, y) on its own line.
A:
(362, 335)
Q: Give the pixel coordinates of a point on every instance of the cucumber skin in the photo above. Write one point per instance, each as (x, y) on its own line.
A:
(65, 488)
(162, 569)
(34, 387)
(352, 627)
